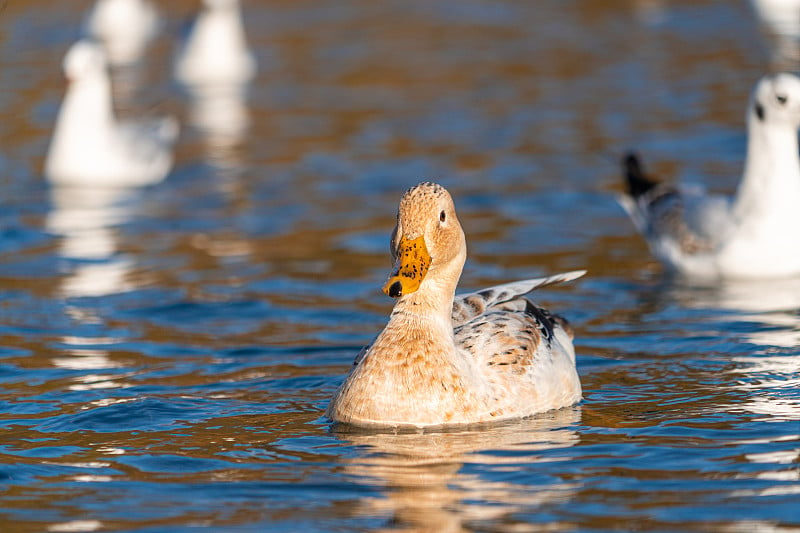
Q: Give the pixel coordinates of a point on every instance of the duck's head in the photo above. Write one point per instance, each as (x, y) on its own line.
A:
(427, 241)
(84, 59)
(776, 101)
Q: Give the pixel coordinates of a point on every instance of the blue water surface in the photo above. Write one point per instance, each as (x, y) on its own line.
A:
(167, 354)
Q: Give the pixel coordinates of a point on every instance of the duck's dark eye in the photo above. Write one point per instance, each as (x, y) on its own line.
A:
(442, 216)
(782, 99)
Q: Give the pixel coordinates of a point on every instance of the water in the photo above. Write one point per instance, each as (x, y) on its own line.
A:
(166, 354)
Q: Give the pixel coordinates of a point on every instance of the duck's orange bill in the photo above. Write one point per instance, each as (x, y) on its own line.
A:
(410, 267)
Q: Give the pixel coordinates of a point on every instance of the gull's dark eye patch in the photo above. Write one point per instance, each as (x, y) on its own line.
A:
(442, 216)
(781, 99)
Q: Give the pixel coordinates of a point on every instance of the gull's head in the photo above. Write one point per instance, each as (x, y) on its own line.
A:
(426, 240)
(84, 59)
(776, 101)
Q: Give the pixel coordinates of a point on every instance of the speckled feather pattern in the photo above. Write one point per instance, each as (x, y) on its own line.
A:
(441, 360)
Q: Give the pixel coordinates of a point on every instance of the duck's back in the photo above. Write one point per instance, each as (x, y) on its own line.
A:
(524, 352)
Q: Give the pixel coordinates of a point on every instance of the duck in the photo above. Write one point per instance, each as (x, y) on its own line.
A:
(447, 360)
(750, 235)
(125, 27)
(215, 51)
(89, 146)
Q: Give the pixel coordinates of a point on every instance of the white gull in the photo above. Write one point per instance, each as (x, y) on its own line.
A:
(215, 51)
(125, 27)
(89, 145)
(751, 235)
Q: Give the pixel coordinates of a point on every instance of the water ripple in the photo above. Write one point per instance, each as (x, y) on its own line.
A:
(166, 354)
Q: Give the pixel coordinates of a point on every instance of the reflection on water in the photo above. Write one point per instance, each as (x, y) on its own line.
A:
(774, 329)
(424, 483)
(782, 466)
(84, 216)
(75, 526)
(770, 313)
(772, 383)
(751, 296)
(84, 354)
(773, 307)
(85, 219)
(98, 280)
(787, 457)
(166, 355)
(219, 113)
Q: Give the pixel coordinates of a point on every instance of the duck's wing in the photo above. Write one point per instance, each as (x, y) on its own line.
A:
(468, 306)
(522, 352)
(514, 335)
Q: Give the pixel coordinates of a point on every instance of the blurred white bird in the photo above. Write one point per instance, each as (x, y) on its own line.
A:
(752, 235)
(89, 145)
(125, 27)
(781, 20)
(215, 51)
(782, 16)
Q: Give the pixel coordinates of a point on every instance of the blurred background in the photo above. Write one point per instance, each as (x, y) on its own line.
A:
(167, 352)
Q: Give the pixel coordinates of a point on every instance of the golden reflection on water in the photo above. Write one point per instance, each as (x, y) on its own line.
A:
(425, 488)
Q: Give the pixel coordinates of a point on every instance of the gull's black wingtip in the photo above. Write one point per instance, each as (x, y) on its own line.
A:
(636, 182)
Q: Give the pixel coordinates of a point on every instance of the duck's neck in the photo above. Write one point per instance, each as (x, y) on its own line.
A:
(428, 311)
(771, 182)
